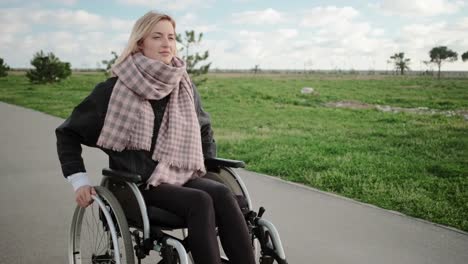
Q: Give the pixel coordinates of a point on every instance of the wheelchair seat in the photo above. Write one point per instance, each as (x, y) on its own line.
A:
(165, 219)
(168, 220)
(159, 217)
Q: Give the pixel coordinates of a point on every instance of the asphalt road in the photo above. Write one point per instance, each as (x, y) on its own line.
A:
(316, 227)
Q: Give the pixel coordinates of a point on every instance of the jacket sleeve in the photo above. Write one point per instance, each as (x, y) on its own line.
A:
(82, 127)
(208, 142)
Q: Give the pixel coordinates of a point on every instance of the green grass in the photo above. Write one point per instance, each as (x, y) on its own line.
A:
(415, 164)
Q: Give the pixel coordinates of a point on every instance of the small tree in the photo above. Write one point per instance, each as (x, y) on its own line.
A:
(109, 63)
(401, 64)
(429, 66)
(465, 56)
(3, 68)
(256, 69)
(196, 72)
(441, 54)
(48, 68)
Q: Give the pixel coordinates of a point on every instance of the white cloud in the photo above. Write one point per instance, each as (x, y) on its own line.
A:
(462, 24)
(65, 2)
(82, 49)
(277, 50)
(251, 44)
(13, 20)
(422, 8)
(6, 40)
(378, 32)
(191, 21)
(12, 26)
(341, 28)
(80, 37)
(287, 32)
(267, 16)
(248, 48)
(169, 4)
(35, 2)
(427, 36)
(327, 37)
(323, 16)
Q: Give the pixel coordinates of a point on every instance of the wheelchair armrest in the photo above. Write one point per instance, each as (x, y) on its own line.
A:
(122, 175)
(218, 162)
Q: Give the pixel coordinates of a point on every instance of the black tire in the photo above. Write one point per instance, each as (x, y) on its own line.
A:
(90, 231)
(267, 259)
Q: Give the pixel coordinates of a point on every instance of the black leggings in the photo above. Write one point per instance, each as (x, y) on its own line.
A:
(199, 201)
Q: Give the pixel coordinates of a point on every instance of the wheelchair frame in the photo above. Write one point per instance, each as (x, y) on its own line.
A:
(260, 229)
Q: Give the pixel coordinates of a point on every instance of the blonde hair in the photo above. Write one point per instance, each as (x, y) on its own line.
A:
(141, 30)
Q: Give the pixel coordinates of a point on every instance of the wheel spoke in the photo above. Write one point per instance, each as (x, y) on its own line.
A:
(95, 244)
(89, 244)
(95, 223)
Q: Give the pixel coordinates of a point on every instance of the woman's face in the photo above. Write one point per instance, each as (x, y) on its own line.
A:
(160, 44)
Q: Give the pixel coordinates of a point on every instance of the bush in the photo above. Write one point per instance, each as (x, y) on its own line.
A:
(109, 63)
(3, 68)
(48, 68)
(195, 71)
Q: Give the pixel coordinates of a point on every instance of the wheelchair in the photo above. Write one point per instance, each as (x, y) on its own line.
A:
(118, 227)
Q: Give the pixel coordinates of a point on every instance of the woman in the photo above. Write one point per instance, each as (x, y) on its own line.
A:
(149, 120)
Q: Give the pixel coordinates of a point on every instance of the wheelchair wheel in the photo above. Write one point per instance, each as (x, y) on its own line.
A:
(267, 259)
(99, 233)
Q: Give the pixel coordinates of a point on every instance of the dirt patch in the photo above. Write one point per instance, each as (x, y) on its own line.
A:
(349, 105)
(411, 87)
(394, 109)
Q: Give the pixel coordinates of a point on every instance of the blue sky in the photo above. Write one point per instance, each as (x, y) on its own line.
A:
(242, 33)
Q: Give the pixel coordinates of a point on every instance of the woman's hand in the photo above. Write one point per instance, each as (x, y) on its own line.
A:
(83, 195)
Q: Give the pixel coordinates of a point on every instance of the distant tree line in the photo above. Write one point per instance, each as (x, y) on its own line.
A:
(48, 68)
(438, 56)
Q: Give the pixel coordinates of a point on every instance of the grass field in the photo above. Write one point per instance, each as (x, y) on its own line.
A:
(415, 164)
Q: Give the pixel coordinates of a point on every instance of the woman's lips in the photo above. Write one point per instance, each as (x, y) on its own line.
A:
(165, 53)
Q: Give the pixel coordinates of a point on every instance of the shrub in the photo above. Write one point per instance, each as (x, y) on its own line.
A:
(3, 68)
(109, 63)
(48, 68)
(195, 71)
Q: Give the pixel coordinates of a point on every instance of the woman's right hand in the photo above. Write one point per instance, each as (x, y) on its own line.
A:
(83, 195)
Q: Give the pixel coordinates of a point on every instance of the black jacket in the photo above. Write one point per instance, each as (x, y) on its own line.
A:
(87, 119)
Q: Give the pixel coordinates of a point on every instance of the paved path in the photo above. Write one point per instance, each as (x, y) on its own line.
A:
(316, 227)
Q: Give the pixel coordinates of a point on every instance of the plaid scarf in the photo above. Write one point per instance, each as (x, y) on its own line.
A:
(129, 119)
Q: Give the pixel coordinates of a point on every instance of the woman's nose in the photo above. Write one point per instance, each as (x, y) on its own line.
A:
(165, 42)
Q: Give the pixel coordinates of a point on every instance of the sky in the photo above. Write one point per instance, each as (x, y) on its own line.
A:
(239, 34)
